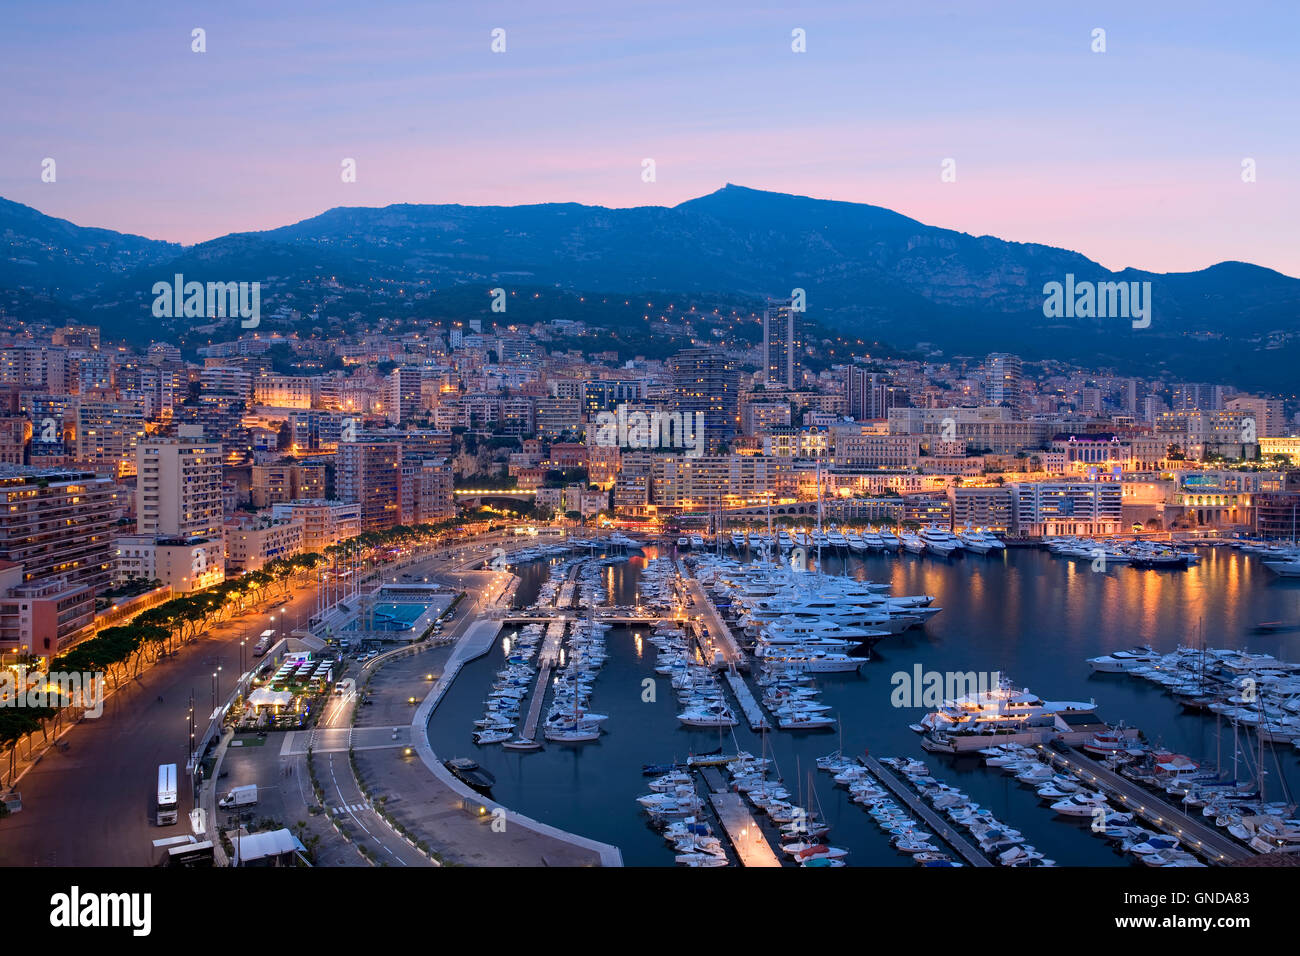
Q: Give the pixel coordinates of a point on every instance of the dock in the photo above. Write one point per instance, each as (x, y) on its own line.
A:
(937, 824)
(713, 777)
(753, 713)
(719, 634)
(1196, 837)
(743, 830)
(547, 658)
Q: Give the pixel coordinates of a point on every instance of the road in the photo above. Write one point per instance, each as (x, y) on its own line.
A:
(93, 803)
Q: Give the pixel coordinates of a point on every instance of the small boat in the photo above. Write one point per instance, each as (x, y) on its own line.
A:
(470, 773)
(522, 744)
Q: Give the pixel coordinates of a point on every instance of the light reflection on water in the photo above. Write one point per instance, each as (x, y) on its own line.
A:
(1028, 614)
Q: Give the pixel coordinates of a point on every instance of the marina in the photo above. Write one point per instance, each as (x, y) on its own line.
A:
(976, 624)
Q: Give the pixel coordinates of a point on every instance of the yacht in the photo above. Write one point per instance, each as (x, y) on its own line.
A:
(940, 541)
(838, 540)
(912, 542)
(716, 714)
(981, 542)
(1121, 661)
(993, 711)
(888, 540)
(856, 543)
(1284, 567)
(818, 662)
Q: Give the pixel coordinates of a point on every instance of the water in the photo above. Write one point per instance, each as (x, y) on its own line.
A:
(1028, 614)
(393, 617)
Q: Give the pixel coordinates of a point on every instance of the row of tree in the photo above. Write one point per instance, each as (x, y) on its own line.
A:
(121, 652)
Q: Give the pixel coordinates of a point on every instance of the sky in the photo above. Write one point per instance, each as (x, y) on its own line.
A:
(1132, 156)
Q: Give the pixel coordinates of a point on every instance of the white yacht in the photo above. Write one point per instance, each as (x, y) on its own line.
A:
(940, 541)
(912, 542)
(981, 542)
(1121, 661)
(1002, 709)
(856, 544)
(716, 714)
(818, 662)
(889, 541)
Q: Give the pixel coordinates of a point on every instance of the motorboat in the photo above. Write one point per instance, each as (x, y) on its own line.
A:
(939, 541)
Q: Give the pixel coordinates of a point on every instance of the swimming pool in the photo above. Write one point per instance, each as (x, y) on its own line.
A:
(393, 617)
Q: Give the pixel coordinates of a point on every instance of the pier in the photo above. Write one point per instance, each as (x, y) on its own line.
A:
(936, 823)
(753, 713)
(547, 658)
(743, 830)
(1205, 841)
(719, 633)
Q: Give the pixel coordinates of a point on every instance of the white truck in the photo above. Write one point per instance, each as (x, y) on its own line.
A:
(239, 797)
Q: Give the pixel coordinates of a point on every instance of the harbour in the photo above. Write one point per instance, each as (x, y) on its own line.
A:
(992, 608)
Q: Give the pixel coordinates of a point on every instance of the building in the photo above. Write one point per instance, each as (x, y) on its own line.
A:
(705, 383)
(1268, 414)
(273, 484)
(42, 619)
(369, 473)
(252, 541)
(58, 524)
(402, 394)
(861, 446)
(870, 395)
(685, 483)
(183, 564)
(178, 486)
(990, 508)
(1277, 515)
(324, 522)
(1004, 379)
(1086, 508)
(782, 343)
(107, 434)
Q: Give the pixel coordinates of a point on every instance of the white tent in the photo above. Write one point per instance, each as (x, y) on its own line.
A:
(262, 697)
(259, 846)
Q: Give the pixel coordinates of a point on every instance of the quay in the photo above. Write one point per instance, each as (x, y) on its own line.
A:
(743, 830)
(753, 713)
(1205, 841)
(719, 634)
(936, 823)
(547, 658)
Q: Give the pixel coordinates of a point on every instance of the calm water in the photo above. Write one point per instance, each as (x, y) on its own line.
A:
(1030, 615)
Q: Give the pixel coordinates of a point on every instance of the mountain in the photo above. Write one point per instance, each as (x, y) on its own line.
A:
(867, 271)
(45, 256)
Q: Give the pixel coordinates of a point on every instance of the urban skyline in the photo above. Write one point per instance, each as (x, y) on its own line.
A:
(649, 436)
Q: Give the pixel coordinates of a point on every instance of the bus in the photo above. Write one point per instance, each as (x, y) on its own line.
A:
(167, 795)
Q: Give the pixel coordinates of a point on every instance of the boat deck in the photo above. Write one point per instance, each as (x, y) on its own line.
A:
(940, 826)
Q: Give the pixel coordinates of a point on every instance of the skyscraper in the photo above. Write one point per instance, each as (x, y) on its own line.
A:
(707, 382)
(369, 473)
(1003, 377)
(782, 343)
(178, 486)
